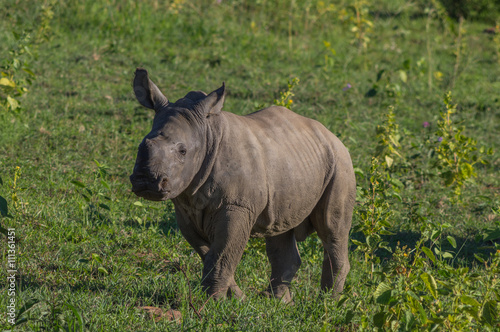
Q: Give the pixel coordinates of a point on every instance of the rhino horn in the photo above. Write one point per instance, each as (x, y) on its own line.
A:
(146, 92)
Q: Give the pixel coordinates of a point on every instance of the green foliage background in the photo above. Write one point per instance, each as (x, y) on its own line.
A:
(90, 254)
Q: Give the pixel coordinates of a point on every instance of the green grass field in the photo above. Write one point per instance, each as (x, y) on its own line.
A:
(90, 254)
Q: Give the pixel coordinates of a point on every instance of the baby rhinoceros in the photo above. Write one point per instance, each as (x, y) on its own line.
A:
(272, 174)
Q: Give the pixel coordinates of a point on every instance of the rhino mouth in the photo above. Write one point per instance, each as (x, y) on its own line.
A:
(152, 195)
(155, 190)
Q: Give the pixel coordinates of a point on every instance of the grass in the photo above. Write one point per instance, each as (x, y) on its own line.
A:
(106, 264)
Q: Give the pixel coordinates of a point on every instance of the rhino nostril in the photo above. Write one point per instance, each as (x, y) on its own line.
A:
(163, 183)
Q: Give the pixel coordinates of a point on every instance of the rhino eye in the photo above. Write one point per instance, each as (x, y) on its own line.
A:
(182, 149)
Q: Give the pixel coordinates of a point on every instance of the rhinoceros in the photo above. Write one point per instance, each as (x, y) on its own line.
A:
(272, 174)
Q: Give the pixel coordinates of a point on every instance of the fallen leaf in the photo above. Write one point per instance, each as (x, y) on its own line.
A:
(154, 313)
(44, 131)
(173, 315)
(158, 314)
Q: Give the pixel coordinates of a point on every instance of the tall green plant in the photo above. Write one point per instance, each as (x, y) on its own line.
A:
(374, 213)
(357, 17)
(388, 145)
(16, 75)
(97, 195)
(456, 153)
(496, 41)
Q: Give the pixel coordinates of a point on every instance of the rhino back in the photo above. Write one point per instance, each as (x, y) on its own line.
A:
(277, 164)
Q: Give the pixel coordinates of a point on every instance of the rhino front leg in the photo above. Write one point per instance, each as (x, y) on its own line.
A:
(199, 243)
(234, 291)
(285, 261)
(202, 248)
(231, 234)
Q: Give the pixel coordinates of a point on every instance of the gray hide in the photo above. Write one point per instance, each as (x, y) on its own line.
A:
(272, 174)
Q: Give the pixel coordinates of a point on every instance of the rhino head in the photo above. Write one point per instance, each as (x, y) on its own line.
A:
(173, 152)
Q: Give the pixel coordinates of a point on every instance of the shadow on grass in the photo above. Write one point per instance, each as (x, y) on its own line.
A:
(165, 226)
(168, 295)
(28, 281)
(385, 15)
(463, 254)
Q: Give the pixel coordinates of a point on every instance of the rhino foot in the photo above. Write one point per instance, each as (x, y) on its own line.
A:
(234, 291)
(281, 292)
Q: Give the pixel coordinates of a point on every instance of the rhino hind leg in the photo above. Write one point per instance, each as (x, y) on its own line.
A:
(303, 230)
(285, 261)
(332, 220)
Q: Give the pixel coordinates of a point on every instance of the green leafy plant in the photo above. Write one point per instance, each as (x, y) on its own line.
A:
(491, 233)
(145, 220)
(456, 153)
(421, 291)
(362, 25)
(15, 188)
(496, 40)
(329, 54)
(17, 204)
(15, 71)
(97, 195)
(388, 145)
(359, 24)
(286, 96)
(44, 29)
(374, 213)
(16, 75)
(385, 84)
(94, 265)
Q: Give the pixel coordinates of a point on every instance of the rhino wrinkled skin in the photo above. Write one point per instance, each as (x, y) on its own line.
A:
(272, 174)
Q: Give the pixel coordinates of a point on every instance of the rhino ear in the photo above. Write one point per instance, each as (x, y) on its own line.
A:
(212, 104)
(146, 92)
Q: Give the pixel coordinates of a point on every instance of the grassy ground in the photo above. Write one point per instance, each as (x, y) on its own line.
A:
(93, 254)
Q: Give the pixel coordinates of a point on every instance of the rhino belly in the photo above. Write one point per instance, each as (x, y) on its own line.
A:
(284, 214)
(296, 181)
